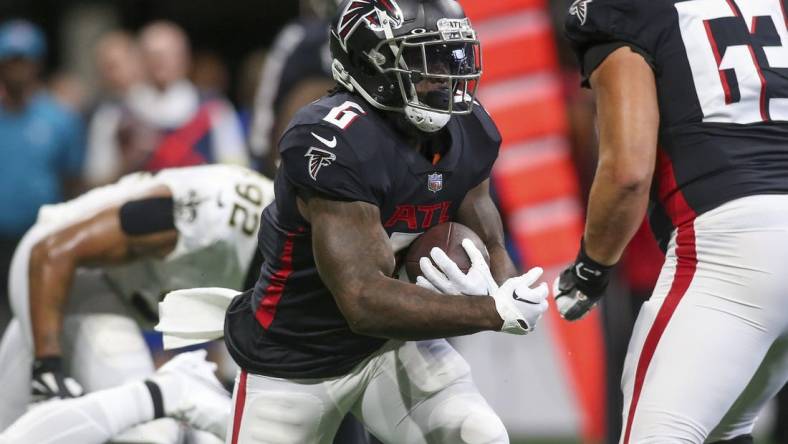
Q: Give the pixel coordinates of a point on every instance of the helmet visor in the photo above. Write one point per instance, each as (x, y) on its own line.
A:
(439, 75)
(437, 71)
(442, 59)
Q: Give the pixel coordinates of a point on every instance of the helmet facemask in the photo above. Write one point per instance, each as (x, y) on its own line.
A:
(437, 72)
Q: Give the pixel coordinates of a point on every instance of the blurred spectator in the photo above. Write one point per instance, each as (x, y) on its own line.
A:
(119, 67)
(69, 90)
(209, 73)
(194, 128)
(296, 72)
(42, 144)
(248, 82)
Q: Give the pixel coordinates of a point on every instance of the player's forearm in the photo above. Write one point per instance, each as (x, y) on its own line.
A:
(615, 211)
(50, 277)
(628, 119)
(478, 212)
(501, 264)
(393, 309)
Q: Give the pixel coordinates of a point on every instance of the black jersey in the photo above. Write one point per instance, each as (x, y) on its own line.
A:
(341, 148)
(721, 69)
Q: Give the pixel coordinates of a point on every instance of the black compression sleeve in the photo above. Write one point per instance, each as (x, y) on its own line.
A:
(147, 216)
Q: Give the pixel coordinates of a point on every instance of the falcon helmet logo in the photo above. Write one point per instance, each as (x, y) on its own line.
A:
(376, 13)
(435, 182)
(580, 9)
(318, 158)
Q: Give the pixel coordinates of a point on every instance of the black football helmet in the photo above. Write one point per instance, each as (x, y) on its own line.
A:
(417, 57)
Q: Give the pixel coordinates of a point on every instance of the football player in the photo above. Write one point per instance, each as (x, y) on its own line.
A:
(297, 70)
(400, 145)
(184, 388)
(90, 272)
(691, 101)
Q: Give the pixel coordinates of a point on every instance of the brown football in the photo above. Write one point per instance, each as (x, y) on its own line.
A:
(448, 237)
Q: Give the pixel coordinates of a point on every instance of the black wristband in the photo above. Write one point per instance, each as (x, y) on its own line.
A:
(591, 277)
(583, 257)
(147, 216)
(52, 363)
(156, 399)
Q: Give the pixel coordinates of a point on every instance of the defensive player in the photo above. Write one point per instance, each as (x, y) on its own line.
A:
(92, 270)
(691, 97)
(184, 388)
(399, 146)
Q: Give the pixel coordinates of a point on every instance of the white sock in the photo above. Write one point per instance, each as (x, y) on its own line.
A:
(91, 419)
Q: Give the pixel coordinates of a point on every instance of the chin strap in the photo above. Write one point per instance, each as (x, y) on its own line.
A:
(341, 75)
(427, 121)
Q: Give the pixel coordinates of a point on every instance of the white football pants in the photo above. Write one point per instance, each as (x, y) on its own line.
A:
(412, 392)
(103, 346)
(710, 347)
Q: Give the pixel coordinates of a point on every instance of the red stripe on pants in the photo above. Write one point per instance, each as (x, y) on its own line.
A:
(686, 263)
(240, 401)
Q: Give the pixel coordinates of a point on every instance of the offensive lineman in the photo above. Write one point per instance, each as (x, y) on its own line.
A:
(399, 146)
(691, 98)
(88, 266)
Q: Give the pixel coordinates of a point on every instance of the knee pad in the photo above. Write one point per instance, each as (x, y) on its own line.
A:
(743, 439)
(466, 419)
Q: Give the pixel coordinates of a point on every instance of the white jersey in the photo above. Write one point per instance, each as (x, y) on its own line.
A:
(217, 216)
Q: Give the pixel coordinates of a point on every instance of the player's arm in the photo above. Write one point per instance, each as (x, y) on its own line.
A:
(355, 261)
(99, 240)
(628, 120)
(478, 212)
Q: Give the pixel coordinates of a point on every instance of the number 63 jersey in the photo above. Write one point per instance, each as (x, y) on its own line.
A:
(721, 68)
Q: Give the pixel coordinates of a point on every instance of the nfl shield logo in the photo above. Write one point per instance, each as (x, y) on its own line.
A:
(435, 182)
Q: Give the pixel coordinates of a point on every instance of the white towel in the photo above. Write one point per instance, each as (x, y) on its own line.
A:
(193, 316)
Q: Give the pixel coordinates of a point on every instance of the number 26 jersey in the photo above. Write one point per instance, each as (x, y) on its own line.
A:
(721, 69)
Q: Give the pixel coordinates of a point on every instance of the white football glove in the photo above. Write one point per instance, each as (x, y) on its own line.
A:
(518, 318)
(447, 278)
(521, 318)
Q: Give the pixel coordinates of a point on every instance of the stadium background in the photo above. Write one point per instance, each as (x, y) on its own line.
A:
(551, 386)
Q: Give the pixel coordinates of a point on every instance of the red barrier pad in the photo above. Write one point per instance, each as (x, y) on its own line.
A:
(527, 107)
(548, 234)
(484, 9)
(531, 174)
(517, 45)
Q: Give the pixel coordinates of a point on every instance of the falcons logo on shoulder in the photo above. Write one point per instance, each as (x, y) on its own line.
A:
(580, 9)
(318, 158)
(374, 12)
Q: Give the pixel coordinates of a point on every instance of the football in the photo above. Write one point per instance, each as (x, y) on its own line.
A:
(448, 237)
